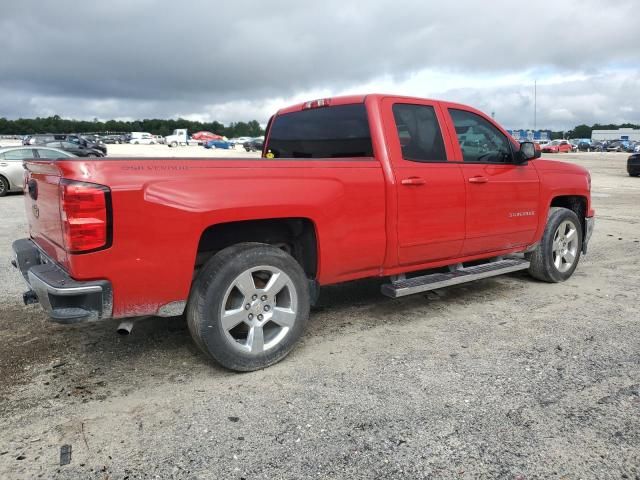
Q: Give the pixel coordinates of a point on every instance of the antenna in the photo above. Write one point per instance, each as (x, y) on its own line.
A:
(535, 104)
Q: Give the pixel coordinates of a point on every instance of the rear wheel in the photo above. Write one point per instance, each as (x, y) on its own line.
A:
(248, 306)
(557, 256)
(4, 186)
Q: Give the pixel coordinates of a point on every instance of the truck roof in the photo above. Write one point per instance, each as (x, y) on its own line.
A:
(349, 99)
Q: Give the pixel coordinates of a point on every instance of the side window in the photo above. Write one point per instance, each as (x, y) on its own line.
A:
(419, 133)
(480, 141)
(20, 154)
(51, 154)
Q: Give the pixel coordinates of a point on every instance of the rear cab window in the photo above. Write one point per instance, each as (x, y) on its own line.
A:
(340, 131)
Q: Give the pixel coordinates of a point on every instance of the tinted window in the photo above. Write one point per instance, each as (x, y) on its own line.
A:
(53, 154)
(480, 141)
(18, 154)
(419, 133)
(326, 132)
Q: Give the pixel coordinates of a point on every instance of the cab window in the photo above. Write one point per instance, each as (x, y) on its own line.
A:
(480, 141)
(419, 133)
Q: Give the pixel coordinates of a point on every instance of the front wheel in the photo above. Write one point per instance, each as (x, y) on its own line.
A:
(248, 306)
(557, 256)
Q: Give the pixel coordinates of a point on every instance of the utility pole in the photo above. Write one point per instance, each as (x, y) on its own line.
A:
(535, 104)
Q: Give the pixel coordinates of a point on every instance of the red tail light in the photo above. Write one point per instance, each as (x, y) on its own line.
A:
(85, 211)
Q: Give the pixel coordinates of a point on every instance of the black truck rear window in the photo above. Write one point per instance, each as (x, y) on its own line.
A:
(326, 132)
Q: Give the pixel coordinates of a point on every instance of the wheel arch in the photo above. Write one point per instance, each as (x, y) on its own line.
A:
(297, 236)
(576, 203)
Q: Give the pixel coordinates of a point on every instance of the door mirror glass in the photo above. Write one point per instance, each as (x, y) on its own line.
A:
(528, 151)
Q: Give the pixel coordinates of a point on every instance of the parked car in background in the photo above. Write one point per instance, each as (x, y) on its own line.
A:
(254, 145)
(240, 140)
(111, 139)
(77, 149)
(143, 139)
(44, 139)
(11, 170)
(616, 146)
(204, 136)
(584, 146)
(633, 165)
(557, 146)
(224, 144)
(159, 139)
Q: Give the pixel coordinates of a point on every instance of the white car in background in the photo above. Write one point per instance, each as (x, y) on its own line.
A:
(11, 170)
(142, 138)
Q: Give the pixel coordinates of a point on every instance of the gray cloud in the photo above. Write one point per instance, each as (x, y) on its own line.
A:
(159, 58)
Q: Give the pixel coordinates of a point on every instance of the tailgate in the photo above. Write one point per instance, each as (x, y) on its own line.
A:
(42, 203)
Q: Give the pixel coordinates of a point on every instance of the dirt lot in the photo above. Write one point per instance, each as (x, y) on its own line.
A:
(504, 378)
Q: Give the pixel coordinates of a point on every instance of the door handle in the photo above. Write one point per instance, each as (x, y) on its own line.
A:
(413, 181)
(478, 179)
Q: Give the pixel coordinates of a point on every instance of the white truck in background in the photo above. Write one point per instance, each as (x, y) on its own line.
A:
(180, 136)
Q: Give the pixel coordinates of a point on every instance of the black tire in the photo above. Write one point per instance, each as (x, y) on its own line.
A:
(173, 144)
(542, 258)
(210, 289)
(4, 186)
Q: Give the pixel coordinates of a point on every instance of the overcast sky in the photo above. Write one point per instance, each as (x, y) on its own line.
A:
(240, 60)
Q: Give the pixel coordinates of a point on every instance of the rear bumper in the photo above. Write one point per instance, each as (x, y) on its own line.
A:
(64, 299)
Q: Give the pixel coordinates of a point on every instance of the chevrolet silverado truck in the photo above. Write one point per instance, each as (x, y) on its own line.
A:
(424, 193)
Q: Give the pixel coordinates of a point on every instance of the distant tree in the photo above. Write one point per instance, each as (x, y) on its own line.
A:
(581, 131)
(155, 126)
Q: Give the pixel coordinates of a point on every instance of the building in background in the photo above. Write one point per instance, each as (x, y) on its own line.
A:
(531, 135)
(619, 134)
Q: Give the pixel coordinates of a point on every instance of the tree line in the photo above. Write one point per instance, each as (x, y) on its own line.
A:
(155, 126)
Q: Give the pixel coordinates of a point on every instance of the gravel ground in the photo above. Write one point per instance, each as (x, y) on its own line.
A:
(503, 378)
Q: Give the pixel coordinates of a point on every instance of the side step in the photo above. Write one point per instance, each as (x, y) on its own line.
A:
(434, 281)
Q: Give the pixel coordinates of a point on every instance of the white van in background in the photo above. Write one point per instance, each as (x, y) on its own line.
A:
(142, 138)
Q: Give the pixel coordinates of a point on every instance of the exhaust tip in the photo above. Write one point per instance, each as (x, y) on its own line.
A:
(29, 297)
(125, 328)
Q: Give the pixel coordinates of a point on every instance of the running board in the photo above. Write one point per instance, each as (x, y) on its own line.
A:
(434, 281)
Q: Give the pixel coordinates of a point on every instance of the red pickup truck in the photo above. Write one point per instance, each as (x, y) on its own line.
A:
(425, 193)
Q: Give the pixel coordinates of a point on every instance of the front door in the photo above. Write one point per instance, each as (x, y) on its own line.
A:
(430, 190)
(502, 197)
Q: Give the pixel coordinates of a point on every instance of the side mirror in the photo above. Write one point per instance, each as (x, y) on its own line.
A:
(528, 151)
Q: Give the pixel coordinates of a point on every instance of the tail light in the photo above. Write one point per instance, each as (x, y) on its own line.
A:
(85, 211)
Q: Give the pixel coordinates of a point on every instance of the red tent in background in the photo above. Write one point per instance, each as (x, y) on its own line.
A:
(204, 136)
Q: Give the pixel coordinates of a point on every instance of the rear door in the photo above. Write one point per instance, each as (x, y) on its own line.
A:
(430, 189)
(501, 197)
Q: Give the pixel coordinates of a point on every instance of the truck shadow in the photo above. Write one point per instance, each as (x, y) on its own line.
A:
(92, 361)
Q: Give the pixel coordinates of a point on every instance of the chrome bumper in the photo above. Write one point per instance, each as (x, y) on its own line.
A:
(64, 299)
